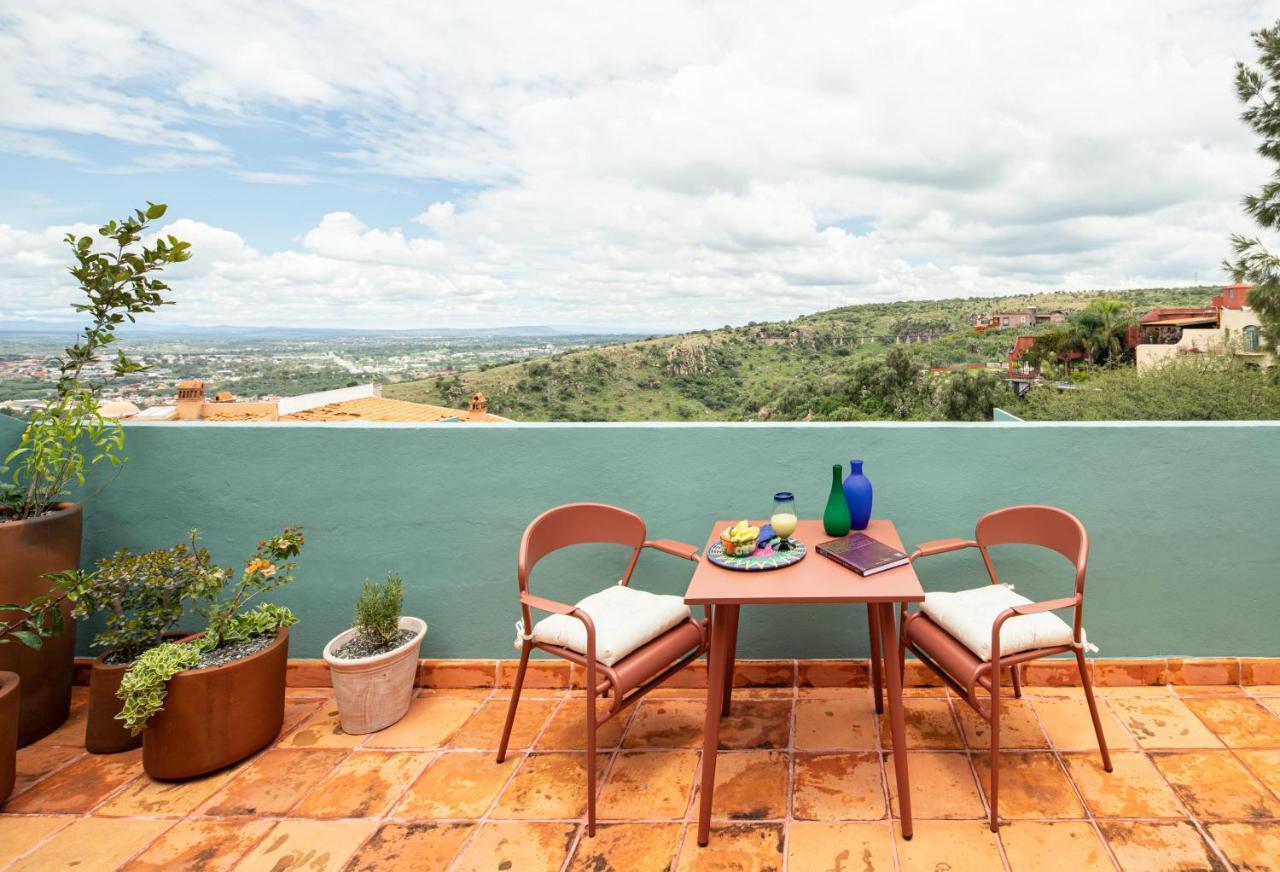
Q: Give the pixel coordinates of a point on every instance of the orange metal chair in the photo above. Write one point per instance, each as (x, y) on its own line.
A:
(634, 675)
(963, 670)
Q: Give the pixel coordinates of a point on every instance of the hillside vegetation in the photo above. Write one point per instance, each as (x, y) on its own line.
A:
(840, 364)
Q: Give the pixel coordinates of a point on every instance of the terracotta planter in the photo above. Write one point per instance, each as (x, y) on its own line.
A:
(9, 686)
(374, 692)
(103, 734)
(218, 716)
(28, 550)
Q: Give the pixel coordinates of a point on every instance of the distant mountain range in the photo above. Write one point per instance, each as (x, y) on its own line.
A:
(226, 331)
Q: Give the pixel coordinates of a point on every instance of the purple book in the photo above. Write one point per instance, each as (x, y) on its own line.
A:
(862, 554)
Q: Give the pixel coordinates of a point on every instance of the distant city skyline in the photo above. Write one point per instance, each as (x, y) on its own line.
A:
(666, 167)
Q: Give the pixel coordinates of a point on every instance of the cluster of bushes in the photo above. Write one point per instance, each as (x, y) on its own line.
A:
(893, 387)
(1196, 387)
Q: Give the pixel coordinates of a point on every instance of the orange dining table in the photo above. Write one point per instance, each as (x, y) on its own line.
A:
(814, 579)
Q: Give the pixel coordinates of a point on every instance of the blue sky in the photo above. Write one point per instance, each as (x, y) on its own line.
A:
(674, 166)
(273, 214)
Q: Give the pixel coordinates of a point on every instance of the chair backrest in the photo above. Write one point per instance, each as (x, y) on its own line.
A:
(579, 524)
(1045, 526)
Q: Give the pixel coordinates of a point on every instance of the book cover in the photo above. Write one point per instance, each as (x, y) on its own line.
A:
(863, 554)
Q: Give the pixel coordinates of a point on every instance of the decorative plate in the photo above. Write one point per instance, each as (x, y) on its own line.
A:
(764, 557)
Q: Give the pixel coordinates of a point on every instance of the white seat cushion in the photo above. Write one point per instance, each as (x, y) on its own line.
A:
(624, 619)
(968, 615)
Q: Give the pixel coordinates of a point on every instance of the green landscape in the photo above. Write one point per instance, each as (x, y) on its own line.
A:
(854, 363)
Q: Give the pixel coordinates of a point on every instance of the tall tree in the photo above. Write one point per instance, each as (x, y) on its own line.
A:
(1114, 318)
(1099, 330)
(1258, 88)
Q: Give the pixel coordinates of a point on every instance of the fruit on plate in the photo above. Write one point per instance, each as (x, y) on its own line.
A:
(740, 539)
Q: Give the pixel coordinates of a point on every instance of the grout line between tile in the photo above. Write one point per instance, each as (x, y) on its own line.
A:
(1089, 816)
(1107, 705)
(480, 821)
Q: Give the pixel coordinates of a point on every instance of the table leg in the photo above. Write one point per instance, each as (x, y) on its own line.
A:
(897, 720)
(716, 657)
(731, 656)
(877, 656)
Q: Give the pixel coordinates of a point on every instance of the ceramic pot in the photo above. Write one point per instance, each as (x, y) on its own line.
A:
(103, 734)
(835, 519)
(374, 692)
(28, 550)
(857, 493)
(9, 696)
(219, 715)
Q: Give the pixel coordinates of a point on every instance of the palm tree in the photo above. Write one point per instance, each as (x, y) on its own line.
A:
(1086, 333)
(1100, 331)
(1115, 318)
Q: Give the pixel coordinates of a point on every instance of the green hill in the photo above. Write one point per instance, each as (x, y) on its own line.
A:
(776, 370)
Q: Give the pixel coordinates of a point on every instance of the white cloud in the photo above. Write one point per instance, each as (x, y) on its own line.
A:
(343, 236)
(265, 177)
(438, 217)
(659, 164)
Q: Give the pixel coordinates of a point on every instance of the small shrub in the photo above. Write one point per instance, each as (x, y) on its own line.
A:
(377, 619)
(145, 686)
(144, 595)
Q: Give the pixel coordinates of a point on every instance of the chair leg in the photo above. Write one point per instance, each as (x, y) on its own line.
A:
(995, 757)
(591, 761)
(877, 657)
(1016, 671)
(515, 700)
(1093, 709)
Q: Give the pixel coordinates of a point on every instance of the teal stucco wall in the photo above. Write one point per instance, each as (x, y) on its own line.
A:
(1184, 518)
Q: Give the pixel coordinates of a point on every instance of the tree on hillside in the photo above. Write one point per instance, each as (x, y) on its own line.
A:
(1258, 88)
(1098, 331)
(970, 396)
(1053, 346)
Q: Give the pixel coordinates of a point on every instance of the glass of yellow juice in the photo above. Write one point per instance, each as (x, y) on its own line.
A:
(783, 519)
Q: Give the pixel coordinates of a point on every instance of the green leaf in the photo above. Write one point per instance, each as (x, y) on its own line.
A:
(28, 638)
(155, 210)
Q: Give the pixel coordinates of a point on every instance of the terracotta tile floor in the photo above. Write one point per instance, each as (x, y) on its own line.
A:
(804, 782)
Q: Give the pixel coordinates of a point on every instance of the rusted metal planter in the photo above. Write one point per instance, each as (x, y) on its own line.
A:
(218, 716)
(9, 694)
(374, 692)
(103, 734)
(28, 550)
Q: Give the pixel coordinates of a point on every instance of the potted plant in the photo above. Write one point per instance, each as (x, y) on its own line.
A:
(28, 625)
(39, 529)
(144, 596)
(213, 700)
(374, 663)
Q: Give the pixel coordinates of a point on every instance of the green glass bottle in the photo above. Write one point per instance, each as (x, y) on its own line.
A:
(836, 520)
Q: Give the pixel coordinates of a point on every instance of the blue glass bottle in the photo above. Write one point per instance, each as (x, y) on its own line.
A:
(857, 493)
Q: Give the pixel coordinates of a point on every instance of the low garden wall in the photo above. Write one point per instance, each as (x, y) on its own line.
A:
(1184, 519)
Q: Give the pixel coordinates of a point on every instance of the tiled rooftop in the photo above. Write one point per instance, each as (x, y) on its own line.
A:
(802, 786)
(387, 410)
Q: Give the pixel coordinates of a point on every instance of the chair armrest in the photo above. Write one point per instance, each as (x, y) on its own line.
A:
(674, 548)
(1046, 606)
(941, 546)
(547, 605)
(554, 607)
(1028, 609)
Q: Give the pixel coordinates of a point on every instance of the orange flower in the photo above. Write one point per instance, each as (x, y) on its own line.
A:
(257, 566)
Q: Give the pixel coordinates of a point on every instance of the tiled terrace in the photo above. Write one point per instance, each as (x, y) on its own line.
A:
(802, 785)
